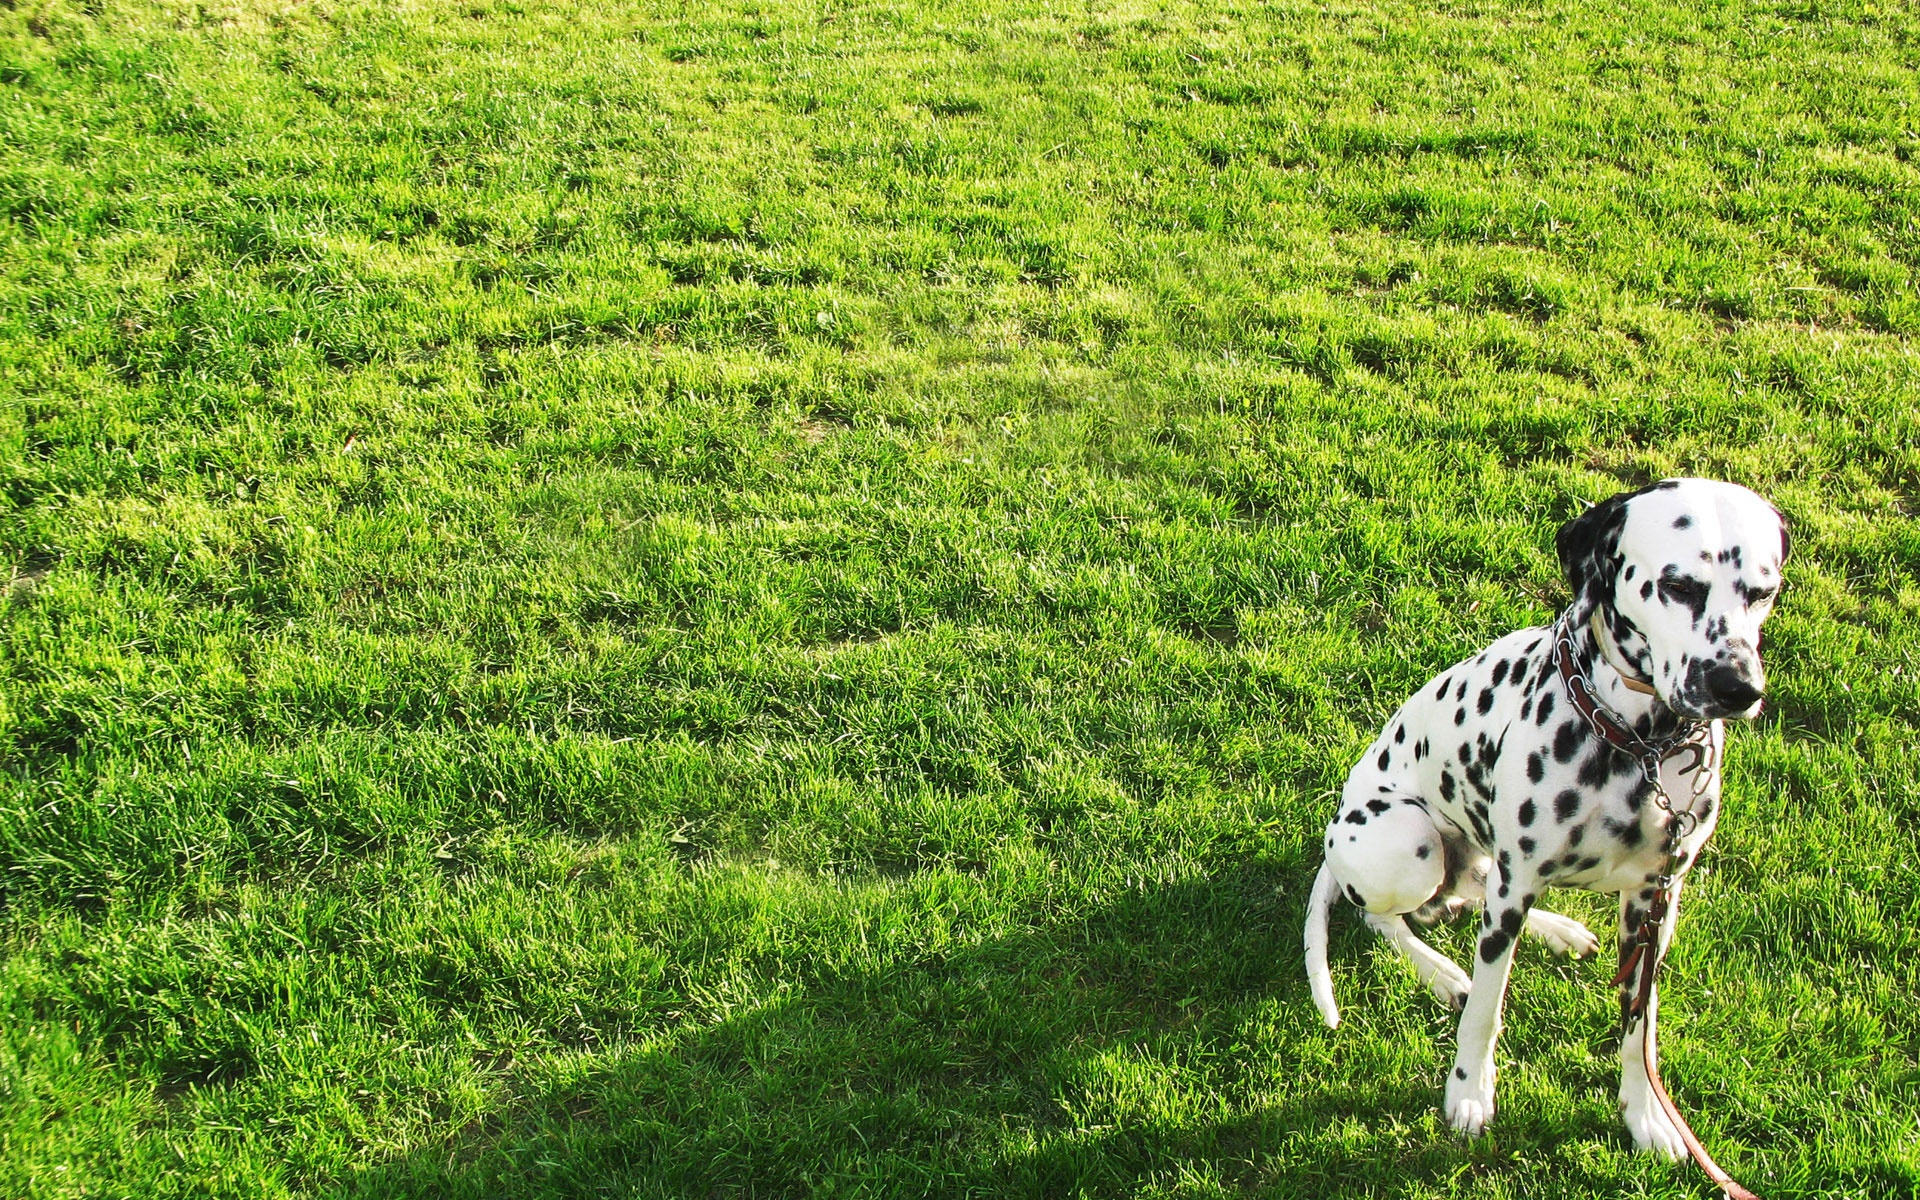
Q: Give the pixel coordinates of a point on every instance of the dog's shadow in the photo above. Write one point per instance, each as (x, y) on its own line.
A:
(1162, 1042)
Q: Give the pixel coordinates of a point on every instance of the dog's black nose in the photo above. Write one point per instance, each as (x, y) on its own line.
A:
(1730, 688)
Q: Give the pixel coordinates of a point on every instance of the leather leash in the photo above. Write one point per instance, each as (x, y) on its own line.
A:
(1645, 941)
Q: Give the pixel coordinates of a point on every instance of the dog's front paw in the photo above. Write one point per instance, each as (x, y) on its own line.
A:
(1653, 1131)
(1469, 1107)
(1562, 934)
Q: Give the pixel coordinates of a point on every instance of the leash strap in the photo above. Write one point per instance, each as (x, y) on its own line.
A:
(1646, 943)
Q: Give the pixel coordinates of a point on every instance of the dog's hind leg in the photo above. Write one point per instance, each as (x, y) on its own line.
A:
(1436, 970)
(1385, 853)
(1387, 856)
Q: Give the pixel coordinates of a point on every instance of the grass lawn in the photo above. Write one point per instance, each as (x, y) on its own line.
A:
(767, 598)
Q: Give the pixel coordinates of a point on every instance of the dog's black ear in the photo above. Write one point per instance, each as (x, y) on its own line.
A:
(1587, 543)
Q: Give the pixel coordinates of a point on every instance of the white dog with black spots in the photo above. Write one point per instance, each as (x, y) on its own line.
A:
(1488, 786)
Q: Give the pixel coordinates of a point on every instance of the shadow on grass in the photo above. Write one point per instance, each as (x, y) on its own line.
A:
(1164, 1040)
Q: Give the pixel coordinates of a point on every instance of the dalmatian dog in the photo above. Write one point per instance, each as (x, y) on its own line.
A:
(1492, 784)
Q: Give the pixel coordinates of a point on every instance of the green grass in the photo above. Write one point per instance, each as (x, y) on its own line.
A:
(766, 599)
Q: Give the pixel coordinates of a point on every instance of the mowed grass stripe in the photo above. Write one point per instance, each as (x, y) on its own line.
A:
(768, 599)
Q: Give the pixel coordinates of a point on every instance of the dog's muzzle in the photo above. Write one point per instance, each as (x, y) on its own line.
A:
(1730, 686)
(1731, 690)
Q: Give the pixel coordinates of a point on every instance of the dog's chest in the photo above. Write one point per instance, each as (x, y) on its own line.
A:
(1493, 746)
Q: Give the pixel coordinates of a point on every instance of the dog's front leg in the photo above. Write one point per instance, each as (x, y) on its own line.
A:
(1653, 1131)
(1470, 1087)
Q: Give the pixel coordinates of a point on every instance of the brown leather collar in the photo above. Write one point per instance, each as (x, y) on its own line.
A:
(1603, 722)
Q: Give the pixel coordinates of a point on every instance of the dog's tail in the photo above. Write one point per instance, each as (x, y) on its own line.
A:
(1319, 979)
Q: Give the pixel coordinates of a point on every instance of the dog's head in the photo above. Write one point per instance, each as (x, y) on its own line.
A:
(1683, 573)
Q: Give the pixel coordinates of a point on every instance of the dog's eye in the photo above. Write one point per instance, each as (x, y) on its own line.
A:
(1761, 595)
(1682, 590)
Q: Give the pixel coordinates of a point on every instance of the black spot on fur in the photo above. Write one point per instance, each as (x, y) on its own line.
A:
(1425, 851)
(1459, 716)
(1441, 694)
(1578, 835)
(1682, 522)
(1598, 767)
(1490, 750)
(1545, 710)
(1378, 806)
(1460, 693)
(1486, 701)
(1384, 759)
(1494, 945)
(1511, 921)
(1567, 740)
(1646, 590)
(1500, 672)
(1627, 833)
(1526, 708)
(1459, 1072)
(1356, 817)
(1638, 796)
(1446, 786)
(1565, 805)
(1466, 753)
(1526, 806)
(1527, 846)
(1536, 771)
(1399, 734)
